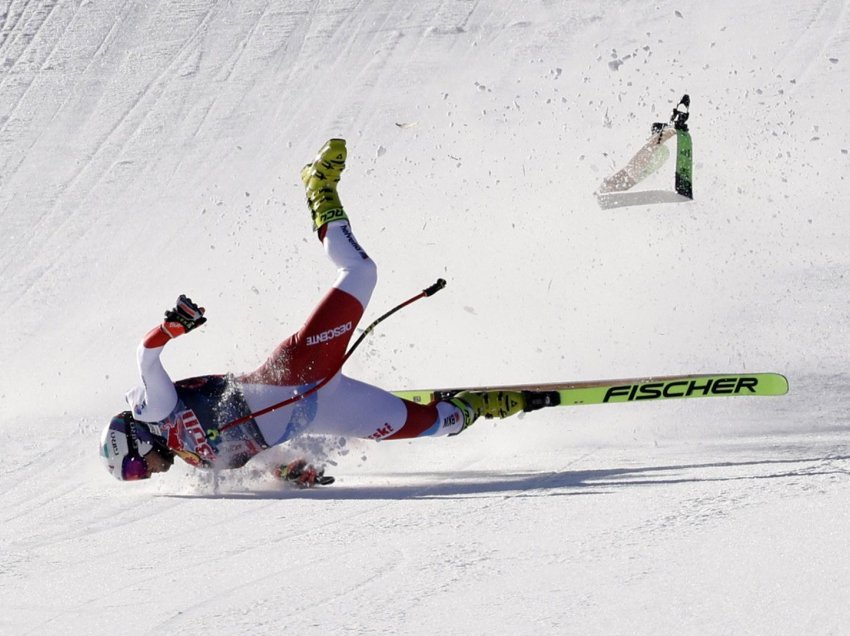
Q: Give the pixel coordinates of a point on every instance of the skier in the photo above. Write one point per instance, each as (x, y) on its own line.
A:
(185, 418)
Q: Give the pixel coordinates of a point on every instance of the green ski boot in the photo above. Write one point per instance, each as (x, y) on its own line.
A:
(320, 179)
(489, 404)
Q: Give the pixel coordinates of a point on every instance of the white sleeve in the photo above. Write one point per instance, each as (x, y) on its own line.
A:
(154, 400)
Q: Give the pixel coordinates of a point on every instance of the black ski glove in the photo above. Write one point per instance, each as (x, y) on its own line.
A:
(184, 317)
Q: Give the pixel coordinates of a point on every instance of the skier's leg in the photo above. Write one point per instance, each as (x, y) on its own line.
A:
(320, 179)
(352, 408)
(317, 349)
(357, 274)
(328, 331)
(489, 404)
(356, 409)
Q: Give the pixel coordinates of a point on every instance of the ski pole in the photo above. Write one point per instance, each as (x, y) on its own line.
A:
(428, 291)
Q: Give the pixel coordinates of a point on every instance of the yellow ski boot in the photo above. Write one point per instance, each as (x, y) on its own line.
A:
(320, 179)
(489, 404)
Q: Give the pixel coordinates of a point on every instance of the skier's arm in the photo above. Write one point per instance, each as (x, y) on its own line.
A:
(154, 400)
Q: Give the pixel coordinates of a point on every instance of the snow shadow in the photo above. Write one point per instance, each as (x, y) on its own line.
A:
(647, 197)
(441, 485)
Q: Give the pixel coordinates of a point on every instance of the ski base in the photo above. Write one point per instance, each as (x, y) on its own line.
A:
(539, 396)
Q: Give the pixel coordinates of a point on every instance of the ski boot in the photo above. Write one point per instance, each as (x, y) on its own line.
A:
(302, 474)
(489, 404)
(320, 179)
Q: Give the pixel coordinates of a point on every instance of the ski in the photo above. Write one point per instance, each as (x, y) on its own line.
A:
(684, 164)
(654, 154)
(647, 161)
(684, 149)
(539, 396)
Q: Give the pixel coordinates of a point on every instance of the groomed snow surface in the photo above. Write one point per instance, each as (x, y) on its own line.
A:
(153, 148)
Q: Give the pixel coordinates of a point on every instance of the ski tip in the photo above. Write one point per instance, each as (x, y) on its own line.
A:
(779, 383)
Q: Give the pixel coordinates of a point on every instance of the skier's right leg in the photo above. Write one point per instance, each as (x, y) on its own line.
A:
(357, 272)
(320, 179)
(317, 349)
(325, 337)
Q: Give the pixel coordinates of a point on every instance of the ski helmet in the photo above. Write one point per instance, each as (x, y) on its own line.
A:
(124, 444)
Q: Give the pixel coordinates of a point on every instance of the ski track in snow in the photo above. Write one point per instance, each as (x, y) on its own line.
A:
(151, 149)
(810, 49)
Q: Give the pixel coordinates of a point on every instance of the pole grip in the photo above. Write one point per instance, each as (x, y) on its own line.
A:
(433, 289)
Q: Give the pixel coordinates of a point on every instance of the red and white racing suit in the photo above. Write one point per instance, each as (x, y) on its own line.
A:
(189, 414)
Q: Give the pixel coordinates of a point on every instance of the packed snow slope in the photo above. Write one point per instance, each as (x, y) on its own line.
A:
(149, 149)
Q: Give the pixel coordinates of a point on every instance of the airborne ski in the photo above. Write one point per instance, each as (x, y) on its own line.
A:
(655, 153)
(539, 396)
(684, 149)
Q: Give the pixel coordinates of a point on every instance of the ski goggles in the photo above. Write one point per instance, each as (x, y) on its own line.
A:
(133, 466)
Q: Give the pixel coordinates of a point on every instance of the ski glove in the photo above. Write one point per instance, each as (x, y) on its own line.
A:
(302, 474)
(184, 317)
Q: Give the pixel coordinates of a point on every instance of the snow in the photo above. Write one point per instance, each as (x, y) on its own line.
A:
(153, 149)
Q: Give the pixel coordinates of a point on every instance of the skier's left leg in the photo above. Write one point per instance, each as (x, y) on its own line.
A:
(352, 408)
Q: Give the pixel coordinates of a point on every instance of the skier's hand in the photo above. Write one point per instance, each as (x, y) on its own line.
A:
(184, 317)
(300, 473)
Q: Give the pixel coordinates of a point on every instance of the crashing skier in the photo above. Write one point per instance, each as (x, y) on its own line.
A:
(192, 418)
